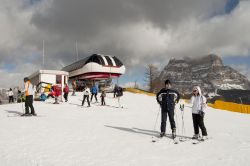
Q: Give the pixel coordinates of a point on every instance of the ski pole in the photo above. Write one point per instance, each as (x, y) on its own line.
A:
(182, 115)
(22, 106)
(157, 118)
(153, 140)
(177, 126)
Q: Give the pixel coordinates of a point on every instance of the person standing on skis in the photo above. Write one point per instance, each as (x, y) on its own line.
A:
(167, 98)
(86, 94)
(11, 96)
(66, 92)
(94, 92)
(29, 92)
(198, 102)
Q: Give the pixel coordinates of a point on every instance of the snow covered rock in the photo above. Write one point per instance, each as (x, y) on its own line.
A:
(208, 72)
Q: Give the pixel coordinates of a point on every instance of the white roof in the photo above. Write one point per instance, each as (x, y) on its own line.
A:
(53, 72)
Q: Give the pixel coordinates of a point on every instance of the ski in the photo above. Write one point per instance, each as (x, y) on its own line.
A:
(199, 140)
(21, 115)
(155, 139)
(196, 141)
(175, 140)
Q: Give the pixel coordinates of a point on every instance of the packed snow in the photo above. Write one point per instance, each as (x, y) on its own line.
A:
(70, 135)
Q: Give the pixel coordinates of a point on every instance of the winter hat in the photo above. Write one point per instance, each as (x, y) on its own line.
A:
(167, 82)
(26, 79)
(198, 89)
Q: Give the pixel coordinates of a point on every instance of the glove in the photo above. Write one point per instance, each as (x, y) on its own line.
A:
(202, 113)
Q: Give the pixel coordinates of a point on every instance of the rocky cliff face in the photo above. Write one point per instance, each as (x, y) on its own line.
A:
(207, 72)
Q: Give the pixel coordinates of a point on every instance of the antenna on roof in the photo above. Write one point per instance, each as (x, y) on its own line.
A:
(43, 54)
(76, 52)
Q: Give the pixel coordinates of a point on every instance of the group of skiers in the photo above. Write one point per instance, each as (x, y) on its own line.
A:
(167, 98)
(94, 91)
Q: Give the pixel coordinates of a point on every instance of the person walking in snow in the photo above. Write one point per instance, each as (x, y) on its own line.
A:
(115, 90)
(86, 93)
(103, 95)
(167, 98)
(29, 93)
(66, 92)
(94, 92)
(119, 94)
(198, 102)
(11, 96)
(74, 87)
(57, 92)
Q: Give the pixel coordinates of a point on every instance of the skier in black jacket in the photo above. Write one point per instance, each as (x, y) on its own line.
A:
(167, 98)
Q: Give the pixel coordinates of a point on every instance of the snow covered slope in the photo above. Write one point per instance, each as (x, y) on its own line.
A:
(69, 135)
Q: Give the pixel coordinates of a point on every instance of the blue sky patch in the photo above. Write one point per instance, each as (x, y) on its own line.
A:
(237, 60)
(9, 67)
(231, 5)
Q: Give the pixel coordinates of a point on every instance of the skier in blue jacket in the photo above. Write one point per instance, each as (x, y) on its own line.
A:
(94, 92)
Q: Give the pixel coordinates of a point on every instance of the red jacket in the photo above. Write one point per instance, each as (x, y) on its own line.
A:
(66, 89)
(57, 90)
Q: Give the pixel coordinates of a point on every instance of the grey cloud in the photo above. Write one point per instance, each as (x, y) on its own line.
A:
(137, 31)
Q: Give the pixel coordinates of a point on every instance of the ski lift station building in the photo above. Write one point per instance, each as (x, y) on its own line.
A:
(96, 67)
(43, 78)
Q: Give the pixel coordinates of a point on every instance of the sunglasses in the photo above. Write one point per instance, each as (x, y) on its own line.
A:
(194, 90)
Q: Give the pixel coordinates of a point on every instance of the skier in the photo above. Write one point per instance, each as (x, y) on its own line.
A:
(43, 97)
(29, 92)
(66, 92)
(86, 93)
(57, 92)
(74, 87)
(115, 90)
(11, 96)
(94, 91)
(198, 102)
(119, 94)
(103, 95)
(167, 98)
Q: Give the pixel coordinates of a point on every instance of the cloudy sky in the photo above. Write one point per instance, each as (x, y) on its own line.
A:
(138, 32)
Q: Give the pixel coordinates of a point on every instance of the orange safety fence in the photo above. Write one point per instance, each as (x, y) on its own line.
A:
(229, 106)
(133, 90)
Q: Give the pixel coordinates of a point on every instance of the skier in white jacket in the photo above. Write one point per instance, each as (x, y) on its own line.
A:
(86, 94)
(198, 102)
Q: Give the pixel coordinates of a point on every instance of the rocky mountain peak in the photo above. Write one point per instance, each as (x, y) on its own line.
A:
(207, 72)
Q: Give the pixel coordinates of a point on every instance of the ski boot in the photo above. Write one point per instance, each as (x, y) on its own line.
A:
(162, 134)
(196, 136)
(203, 138)
(173, 133)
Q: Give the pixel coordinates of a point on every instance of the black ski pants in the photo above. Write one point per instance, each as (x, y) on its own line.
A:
(29, 104)
(93, 94)
(11, 99)
(198, 122)
(103, 101)
(65, 95)
(84, 98)
(164, 114)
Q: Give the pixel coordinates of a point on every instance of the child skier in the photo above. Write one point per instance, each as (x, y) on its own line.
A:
(103, 95)
(198, 102)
